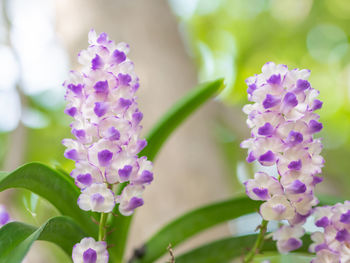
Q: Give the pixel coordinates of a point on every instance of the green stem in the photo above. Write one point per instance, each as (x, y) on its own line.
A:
(102, 227)
(258, 243)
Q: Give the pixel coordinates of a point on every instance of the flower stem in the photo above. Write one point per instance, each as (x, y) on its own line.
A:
(258, 243)
(102, 227)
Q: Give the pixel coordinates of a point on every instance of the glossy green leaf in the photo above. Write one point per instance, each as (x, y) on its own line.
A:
(16, 238)
(194, 222)
(52, 185)
(201, 219)
(225, 250)
(155, 139)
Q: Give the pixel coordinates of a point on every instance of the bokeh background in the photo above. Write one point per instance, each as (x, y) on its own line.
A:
(175, 44)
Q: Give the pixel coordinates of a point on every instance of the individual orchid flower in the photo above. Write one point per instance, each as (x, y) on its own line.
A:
(90, 251)
(288, 238)
(263, 186)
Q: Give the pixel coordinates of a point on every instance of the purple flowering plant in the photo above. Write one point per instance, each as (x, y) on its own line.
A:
(113, 167)
(283, 123)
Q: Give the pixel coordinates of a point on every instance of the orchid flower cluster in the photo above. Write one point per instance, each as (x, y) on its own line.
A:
(101, 99)
(282, 122)
(332, 245)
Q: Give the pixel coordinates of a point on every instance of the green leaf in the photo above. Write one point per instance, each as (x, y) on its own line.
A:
(52, 185)
(118, 238)
(155, 139)
(16, 238)
(201, 219)
(329, 200)
(177, 114)
(225, 250)
(194, 222)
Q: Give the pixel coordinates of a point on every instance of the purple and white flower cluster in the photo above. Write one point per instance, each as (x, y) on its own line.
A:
(282, 123)
(333, 243)
(101, 99)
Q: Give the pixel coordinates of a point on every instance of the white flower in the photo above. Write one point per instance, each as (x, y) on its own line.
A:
(130, 199)
(263, 186)
(277, 208)
(90, 251)
(288, 238)
(97, 198)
